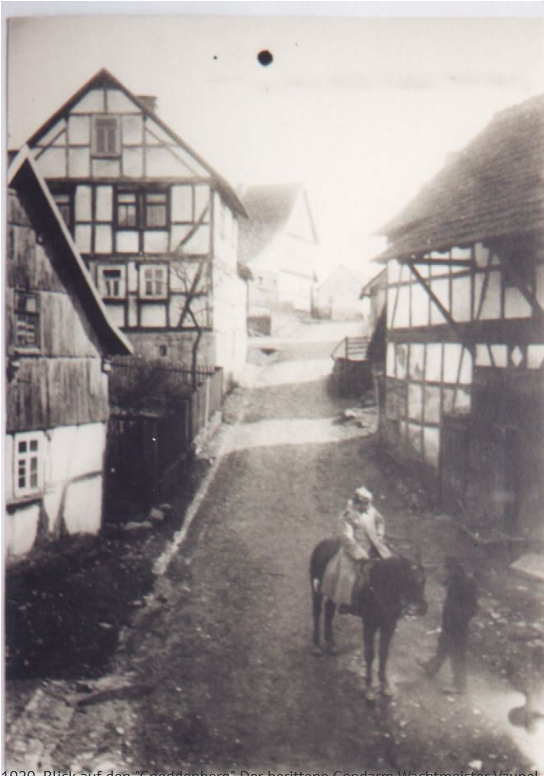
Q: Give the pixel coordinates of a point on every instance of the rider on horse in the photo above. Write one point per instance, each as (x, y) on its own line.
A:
(361, 530)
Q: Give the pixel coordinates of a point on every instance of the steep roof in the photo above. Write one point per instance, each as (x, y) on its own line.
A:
(493, 188)
(339, 272)
(23, 175)
(268, 208)
(104, 78)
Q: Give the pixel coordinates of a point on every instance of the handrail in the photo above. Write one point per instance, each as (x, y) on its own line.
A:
(353, 347)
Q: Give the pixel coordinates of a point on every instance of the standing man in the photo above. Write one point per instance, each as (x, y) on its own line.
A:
(460, 606)
(361, 530)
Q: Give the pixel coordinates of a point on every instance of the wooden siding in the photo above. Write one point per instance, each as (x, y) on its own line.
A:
(60, 382)
(51, 392)
(34, 266)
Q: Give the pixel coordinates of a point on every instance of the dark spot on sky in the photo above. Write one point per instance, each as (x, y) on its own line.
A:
(265, 58)
(215, 57)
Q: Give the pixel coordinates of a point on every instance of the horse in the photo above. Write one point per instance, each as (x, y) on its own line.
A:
(394, 584)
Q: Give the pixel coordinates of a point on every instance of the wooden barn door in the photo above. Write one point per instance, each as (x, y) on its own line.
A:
(453, 459)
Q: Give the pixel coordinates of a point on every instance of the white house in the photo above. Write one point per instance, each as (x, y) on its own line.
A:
(279, 245)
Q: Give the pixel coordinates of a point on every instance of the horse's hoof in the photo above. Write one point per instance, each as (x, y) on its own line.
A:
(316, 650)
(332, 648)
(369, 695)
(387, 691)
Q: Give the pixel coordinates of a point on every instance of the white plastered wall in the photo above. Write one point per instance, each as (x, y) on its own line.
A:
(72, 487)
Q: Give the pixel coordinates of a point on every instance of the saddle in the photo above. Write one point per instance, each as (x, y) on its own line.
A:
(361, 588)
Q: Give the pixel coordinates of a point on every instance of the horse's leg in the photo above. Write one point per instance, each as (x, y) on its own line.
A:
(317, 609)
(329, 611)
(386, 635)
(369, 637)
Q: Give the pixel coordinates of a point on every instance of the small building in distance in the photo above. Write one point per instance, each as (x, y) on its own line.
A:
(279, 245)
(374, 300)
(338, 296)
(156, 225)
(58, 340)
(463, 392)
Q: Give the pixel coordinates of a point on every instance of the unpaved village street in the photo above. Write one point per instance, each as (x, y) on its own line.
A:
(214, 673)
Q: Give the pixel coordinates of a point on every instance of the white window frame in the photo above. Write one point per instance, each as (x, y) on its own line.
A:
(28, 463)
(27, 315)
(102, 282)
(114, 121)
(149, 278)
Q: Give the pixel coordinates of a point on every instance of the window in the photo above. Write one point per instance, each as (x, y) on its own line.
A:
(155, 209)
(154, 281)
(27, 321)
(28, 463)
(142, 210)
(111, 282)
(63, 201)
(106, 136)
(127, 209)
(163, 350)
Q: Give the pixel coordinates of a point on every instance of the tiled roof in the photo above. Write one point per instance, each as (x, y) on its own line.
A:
(493, 188)
(268, 208)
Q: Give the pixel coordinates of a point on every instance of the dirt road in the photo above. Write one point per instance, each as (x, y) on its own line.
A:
(215, 674)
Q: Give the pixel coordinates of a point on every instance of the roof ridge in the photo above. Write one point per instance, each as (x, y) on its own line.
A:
(104, 75)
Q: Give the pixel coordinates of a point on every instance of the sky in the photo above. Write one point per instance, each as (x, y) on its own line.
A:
(362, 110)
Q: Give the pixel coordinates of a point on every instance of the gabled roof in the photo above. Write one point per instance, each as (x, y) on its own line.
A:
(269, 207)
(339, 271)
(105, 79)
(494, 188)
(23, 175)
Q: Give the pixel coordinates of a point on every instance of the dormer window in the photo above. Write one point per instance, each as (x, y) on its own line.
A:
(106, 136)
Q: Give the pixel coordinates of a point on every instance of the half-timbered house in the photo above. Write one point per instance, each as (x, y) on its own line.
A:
(58, 340)
(279, 244)
(155, 224)
(464, 362)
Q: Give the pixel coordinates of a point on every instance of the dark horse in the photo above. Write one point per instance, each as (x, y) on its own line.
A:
(394, 583)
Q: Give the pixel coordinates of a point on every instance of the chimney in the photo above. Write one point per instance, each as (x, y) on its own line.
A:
(150, 101)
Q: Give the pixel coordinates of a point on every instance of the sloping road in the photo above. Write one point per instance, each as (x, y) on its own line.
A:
(216, 676)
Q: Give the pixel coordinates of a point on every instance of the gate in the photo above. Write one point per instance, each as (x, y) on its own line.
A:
(141, 447)
(453, 459)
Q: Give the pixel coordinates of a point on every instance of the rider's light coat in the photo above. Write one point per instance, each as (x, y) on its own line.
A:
(362, 536)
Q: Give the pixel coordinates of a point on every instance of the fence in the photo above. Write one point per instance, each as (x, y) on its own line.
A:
(352, 348)
(137, 382)
(150, 440)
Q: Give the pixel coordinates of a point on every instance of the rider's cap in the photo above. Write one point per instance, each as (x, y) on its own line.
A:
(363, 493)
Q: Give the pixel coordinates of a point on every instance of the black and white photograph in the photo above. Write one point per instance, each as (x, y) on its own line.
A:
(273, 487)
